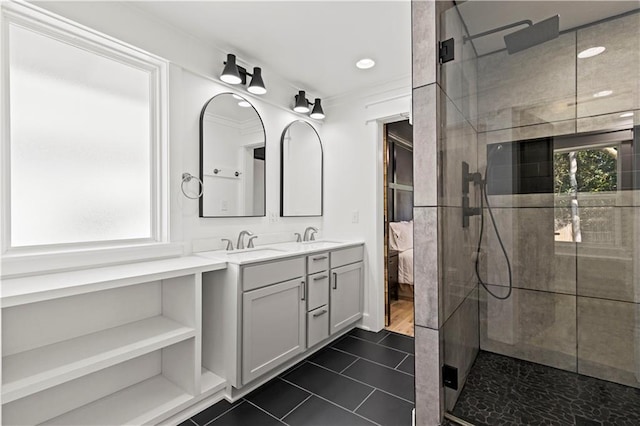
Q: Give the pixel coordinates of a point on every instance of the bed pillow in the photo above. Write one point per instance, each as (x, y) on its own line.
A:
(401, 235)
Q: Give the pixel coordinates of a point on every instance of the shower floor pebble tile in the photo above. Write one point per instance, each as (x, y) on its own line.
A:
(506, 391)
(357, 380)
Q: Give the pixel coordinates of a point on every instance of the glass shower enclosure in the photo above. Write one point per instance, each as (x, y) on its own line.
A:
(539, 229)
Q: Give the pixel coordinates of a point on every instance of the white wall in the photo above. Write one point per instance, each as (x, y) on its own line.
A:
(352, 141)
(351, 138)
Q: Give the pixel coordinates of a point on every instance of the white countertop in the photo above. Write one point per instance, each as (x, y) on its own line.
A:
(17, 291)
(276, 251)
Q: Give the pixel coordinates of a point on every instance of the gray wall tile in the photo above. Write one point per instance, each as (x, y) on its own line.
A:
(426, 101)
(616, 69)
(429, 390)
(531, 325)
(424, 42)
(461, 343)
(457, 249)
(530, 87)
(609, 340)
(426, 267)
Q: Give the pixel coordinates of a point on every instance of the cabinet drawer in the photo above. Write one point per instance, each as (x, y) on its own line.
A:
(347, 256)
(264, 274)
(317, 262)
(318, 289)
(317, 325)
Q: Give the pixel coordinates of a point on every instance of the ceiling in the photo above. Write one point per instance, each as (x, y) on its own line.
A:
(483, 15)
(312, 44)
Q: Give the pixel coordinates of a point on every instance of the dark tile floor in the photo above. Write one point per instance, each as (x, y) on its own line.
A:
(506, 391)
(363, 378)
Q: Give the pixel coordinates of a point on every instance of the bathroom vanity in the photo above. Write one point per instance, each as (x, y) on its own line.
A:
(275, 303)
(139, 343)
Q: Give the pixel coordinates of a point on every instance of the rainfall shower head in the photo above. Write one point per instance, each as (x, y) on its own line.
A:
(525, 38)
(539, 33)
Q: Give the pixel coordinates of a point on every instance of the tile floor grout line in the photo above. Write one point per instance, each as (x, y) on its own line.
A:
(364, 400)
(333, 403)
(363, 383)
(403, 360)
(377, 344)
(296, 407)
(263, 410)
(342, 371)
(373, 362)
(222, 414)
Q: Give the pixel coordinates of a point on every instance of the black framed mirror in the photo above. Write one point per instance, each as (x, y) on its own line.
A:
(301, 171)
(232, 158)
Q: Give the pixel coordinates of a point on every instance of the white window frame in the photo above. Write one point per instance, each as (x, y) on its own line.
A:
(38, 259)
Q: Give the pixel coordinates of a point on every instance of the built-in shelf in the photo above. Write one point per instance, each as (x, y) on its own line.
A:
(142, 403)
(32, 371)
(211, 382)
(19, 291)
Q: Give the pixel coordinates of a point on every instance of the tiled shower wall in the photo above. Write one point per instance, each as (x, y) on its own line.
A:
(446, 293)
(575, 306)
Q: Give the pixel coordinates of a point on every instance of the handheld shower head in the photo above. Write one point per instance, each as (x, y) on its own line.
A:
(533, 35)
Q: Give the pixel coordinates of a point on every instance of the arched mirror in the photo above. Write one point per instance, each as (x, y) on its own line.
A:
(232, 158)
(300, 171)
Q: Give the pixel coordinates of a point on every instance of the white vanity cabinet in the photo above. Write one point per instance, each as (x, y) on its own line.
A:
(318, 300)
(347, 287)
(273, 327)
(265, 313)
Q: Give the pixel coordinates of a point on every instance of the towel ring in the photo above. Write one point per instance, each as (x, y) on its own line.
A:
(186, 177)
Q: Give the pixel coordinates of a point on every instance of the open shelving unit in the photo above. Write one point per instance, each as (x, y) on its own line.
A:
(113, 345)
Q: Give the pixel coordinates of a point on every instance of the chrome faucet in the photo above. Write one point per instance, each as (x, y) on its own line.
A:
(229, 243)
(250, 245)
(298, 237)
(240, 244)
(309, 233)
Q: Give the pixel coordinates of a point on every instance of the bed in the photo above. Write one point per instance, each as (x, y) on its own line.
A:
(401, 240)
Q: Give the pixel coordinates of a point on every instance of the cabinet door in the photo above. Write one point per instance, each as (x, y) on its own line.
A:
(346, 295)
(273, 327)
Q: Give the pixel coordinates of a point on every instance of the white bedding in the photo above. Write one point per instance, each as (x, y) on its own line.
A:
(405, 267)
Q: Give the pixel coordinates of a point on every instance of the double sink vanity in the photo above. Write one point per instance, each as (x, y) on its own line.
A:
(273, 303)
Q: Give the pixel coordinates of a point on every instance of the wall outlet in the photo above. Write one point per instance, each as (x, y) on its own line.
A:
(355, 216)
(272, 217)
(224, 206)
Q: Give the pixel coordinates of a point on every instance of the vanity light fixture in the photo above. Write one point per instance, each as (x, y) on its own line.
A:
(234, 74)
(591, 52)
(302, 106)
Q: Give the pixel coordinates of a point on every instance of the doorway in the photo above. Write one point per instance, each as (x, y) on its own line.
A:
(398, 226)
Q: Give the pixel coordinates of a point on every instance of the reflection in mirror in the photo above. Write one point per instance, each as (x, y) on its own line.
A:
(301, 171)
(232, 158)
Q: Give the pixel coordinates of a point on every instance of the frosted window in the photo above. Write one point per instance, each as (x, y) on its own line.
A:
(81, 144)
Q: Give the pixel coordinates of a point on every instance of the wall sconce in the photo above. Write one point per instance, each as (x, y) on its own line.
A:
(302, 105)
(234, 74)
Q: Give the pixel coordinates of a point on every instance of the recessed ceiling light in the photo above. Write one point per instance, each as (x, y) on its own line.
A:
(602, 93)
(244, 104)
(590, 52)
(626, 114)
(365, 64)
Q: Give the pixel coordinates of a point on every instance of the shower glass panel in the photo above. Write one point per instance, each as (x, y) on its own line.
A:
(554, 132)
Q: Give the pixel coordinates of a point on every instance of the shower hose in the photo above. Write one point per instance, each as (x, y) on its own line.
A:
(484, 198)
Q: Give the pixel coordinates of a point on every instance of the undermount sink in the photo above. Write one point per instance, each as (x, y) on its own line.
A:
(319, 244)
(259, 252)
